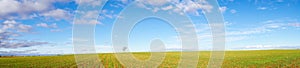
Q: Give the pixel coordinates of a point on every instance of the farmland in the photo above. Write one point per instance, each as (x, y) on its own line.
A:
(239, 59)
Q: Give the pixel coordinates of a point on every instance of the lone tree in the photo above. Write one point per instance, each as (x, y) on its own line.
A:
(124, 49)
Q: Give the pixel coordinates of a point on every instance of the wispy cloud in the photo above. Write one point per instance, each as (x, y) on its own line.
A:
(268, 26)
(223, 9)
(263, 47)
(18, 52)
(233, 11)
(56, 30)
(91, 2)
(20, 43)
(177, 6)
(262, 8)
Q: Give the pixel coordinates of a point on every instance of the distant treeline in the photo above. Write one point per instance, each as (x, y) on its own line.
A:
(28, 55)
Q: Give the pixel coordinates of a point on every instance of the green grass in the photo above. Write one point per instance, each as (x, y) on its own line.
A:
(236, 59)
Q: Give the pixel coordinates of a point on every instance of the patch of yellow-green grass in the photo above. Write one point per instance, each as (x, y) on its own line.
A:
(236, 59)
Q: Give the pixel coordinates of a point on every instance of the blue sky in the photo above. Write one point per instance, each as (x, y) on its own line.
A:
(45, 27)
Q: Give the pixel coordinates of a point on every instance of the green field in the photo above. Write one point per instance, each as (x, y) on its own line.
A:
(237, 59)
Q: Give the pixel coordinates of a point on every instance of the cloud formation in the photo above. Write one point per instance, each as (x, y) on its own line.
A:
(255, 47)
(18, 52)
(58, 14)
(223, 9)
(177, 6)
(45, 25)
(13, 25)
(11, 29)
(26, 9)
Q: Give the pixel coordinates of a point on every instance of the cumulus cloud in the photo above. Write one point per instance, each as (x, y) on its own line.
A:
(45, 25)
(53, 27)
(13, 25)
(14, 6)
(24, 9)
(21, 7)
(193, 6)
(87, 17)
(10, 29)
(58, 14)
(91, 17)
(24, 28)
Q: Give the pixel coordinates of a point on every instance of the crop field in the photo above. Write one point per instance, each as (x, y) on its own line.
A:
(237, 59)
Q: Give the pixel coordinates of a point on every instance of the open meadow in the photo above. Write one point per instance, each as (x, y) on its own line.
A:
(239, 59)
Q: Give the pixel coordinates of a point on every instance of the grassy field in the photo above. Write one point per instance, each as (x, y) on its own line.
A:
(237, 59)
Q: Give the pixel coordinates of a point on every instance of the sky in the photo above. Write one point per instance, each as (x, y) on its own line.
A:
(45, 27)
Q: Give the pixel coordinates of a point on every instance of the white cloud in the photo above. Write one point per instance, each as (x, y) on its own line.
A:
(167, 8)
(294, 24)
(154, 2)
(91, 17)
(13, 25)
(233, 11)
(90, 2)
(13, 5)
(53, 25)
(24, 28)
(117, 5)
(24, 6)
(269, 26)
(264, 46)
(192, 7)
(181, 7)
(108, 14)
(55, 30)
(18, 51)
(223, 9)
(11, 29)
(25, 9)
(246, 31)
(84, 21)
(58, 14)
(45, 25)
(9, 25)
(233, 34)
(262, 8)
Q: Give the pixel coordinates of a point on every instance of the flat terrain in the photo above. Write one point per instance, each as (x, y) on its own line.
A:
(237, 59)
